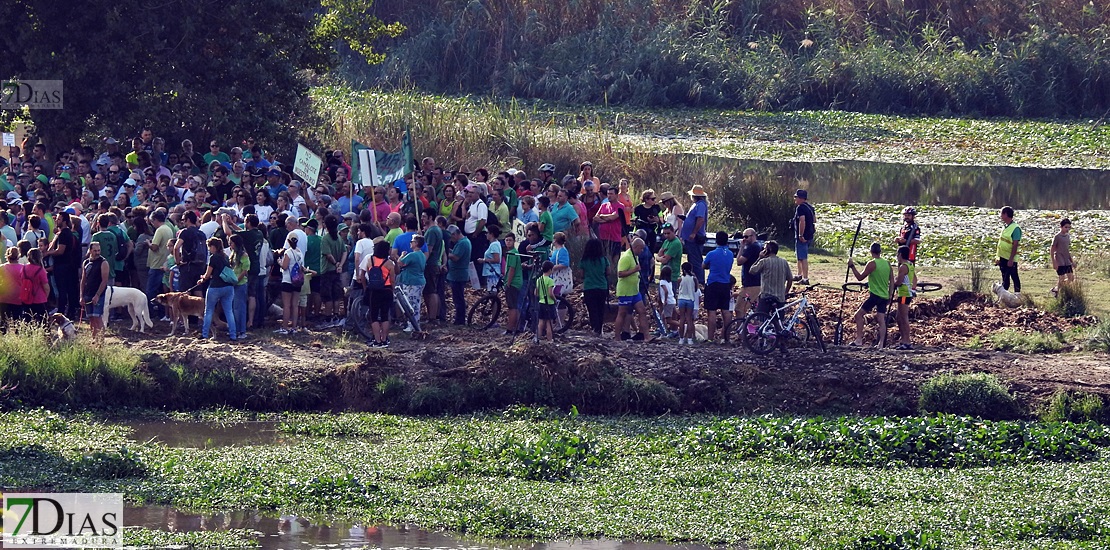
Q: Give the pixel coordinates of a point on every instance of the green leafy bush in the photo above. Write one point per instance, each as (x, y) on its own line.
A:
(934, 441)
(110, 465)
(1065, 406)
(976, 394)
(1071, 300)
(1027, 342)
(1098, 337)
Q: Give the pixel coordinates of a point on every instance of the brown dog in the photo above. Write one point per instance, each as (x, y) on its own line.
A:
(66, 332)
(180, 305)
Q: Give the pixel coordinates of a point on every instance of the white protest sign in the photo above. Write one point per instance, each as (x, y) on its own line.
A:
(367, 167)
(307, 165)
(9, 139)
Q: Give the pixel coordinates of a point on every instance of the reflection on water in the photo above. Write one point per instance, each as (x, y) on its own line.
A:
(201, 435)
(923, 184)
(292, 532)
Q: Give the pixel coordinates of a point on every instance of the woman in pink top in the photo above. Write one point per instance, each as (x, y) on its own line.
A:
(11, 282)
(40, 286)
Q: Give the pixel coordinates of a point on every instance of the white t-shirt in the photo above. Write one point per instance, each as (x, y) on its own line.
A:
(476, 213)
(687, 288)
(666, 290)
(295, 257)
(209, 229)
(302, 240)
(263, 212)
(364, 248)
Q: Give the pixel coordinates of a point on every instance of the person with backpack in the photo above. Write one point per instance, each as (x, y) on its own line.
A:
(804, 219)
(108, 243)
(292, 278)
(378, 276)
(221, 279)
(35, 288)
(191, 252)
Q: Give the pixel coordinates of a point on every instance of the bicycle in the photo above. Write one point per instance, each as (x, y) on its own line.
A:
(528, 319)
(762, 332)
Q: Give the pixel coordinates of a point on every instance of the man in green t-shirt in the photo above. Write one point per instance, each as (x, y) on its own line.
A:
(393, 222)
(458, 271)
(333, 250)
(670, 252)
(514, 281)
(159, 247)
(120, 274)
(628, 292)
(877, 272)
(312, 262)
(108, 244)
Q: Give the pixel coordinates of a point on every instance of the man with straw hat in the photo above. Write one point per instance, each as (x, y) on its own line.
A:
(693, 231)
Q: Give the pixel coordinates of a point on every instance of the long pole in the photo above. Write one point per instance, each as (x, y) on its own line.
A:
(844, 294)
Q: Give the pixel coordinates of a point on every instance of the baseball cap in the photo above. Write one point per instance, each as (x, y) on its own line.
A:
(111, 141)
(350, 216)
(802, 194)
(274, 171)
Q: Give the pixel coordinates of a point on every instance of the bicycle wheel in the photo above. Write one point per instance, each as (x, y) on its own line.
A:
(854, 287)
(801, 334)
(564, 315)
(759, 333)
(362, 320)
(484, 313)
(406, 308)
(815, 330)
(735, 330)
(928, 287)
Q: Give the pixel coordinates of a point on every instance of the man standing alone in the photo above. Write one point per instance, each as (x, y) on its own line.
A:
(1008, 242)
(804, 219)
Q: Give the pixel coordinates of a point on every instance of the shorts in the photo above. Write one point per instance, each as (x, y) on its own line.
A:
(302, 301)
(629, 301)
(431, 279)
(613, 248)
(716, 296)
(546, 312)
(512, 297)
(668, 310)
(686, 304)
(381, 301)
(1063, 270)
(289, 287)
(801, 250)
(95, 310)
(331, 288)
(903, 300)
(876, 302)
(314, 285)
(768, 303)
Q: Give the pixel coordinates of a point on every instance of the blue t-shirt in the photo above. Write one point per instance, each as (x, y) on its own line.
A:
(275, 191)
(403, 243)
(698, 210)
(562, 216)
(458, 270)
(719, 260)
(411, 267)
(347, 205)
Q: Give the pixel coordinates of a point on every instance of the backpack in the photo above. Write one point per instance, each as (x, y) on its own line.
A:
(121, 246)
(375, 278)
(296, 274)
(811, 229)
(193, 248)
(27, 288)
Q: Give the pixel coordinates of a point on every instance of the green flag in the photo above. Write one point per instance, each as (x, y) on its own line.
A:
(386, 168)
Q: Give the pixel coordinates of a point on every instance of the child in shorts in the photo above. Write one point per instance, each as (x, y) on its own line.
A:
(545, 298)
(667, 301)
(687, 300)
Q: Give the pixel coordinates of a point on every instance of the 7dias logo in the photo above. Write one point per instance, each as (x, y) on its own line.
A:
(33, 94)
(62, 520)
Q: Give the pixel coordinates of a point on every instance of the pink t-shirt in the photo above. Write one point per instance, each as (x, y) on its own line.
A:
(11, 276)
(383, 211)
(39, 281)
(583, 227)
(611, 230)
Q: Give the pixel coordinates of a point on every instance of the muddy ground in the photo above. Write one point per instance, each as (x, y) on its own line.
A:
(703, 377)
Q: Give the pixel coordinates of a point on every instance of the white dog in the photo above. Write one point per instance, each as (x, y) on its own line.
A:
(1005, 297)
(66, 332)
(135, 302)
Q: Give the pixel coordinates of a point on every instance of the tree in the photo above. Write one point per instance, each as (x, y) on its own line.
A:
(202, 69)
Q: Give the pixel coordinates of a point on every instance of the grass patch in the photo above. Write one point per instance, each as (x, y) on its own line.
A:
(1071, 300)
(141, 538)
(936, 441)
(1068, 406)
(977, 394)
(1028, 342)
(1098, 337)
(647, 487)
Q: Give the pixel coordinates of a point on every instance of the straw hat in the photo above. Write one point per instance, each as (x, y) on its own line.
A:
(666, 196)
(697, 191)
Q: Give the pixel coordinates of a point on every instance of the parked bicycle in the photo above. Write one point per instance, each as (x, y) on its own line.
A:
(763, 332)
(485, 313)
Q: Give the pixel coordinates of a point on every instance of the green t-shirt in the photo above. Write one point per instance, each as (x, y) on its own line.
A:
(252, 241)
(156, 259)
(433, 239)
(411, 268)
(594, 276)
(510, 198)
(117, 266)
(630, 285)
(392, 235)
(548, 226)
(312, 254)
(512, 263)
(673, 248)
(458, 270)
(108, 247)
(878, 282)
(337, 248)
(543, 289)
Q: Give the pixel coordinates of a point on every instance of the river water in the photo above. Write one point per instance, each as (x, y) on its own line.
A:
(923, 184)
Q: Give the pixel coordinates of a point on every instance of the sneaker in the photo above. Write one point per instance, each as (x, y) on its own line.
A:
(797, 278)
(1054, 291)
(804, 282)
(281, 331)
(903, 347)
(165, 319)
(408, 327)
(242, 336)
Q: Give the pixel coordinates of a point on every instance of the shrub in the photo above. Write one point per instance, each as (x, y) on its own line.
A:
(1027, 342)
(977, 394)
(1066, 406)
(1071, 300)
(1098, 338)
(976, 274)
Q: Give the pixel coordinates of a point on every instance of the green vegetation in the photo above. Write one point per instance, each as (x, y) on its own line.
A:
(1032, 342)
(1071, 301)
(1006, 57)
(976, 394)
(670, 478)
(148, 538)
(1067, 406)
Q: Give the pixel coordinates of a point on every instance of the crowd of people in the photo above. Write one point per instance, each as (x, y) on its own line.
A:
(238, 228)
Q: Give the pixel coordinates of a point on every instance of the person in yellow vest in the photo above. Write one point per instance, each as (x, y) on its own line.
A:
(1008, 242)
(877, 272)
(902, 294)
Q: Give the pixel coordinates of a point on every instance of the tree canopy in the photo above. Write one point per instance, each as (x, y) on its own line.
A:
(200, 69)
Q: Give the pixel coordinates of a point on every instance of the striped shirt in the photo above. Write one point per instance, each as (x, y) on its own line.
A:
(774, 272)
